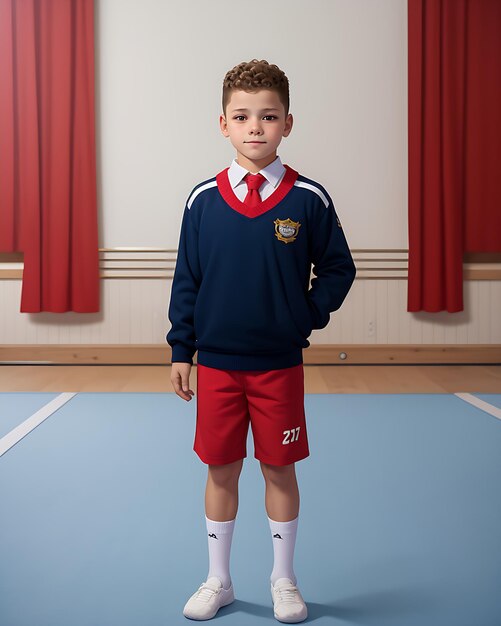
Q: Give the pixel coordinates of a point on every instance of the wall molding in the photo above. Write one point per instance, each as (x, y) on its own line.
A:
(159, 263)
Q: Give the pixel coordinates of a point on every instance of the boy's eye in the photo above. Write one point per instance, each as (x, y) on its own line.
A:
(238, 116)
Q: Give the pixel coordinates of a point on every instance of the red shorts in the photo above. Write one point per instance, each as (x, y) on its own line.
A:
(273, 402)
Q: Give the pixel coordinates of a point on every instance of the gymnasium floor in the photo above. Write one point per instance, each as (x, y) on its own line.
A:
(102, 511)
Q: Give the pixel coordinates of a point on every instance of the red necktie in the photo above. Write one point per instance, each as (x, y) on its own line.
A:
(254, 181)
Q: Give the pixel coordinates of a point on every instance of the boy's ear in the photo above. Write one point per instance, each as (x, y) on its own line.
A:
(222, 124)
(288, 125)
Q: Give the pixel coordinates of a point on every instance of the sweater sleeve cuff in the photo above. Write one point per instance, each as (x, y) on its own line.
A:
(181, 354)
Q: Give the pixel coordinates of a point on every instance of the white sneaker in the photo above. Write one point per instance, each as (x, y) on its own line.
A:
(208, 599)
(288, 604)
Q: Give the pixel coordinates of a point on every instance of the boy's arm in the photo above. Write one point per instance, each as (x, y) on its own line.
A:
(332, 265)
(185, 285)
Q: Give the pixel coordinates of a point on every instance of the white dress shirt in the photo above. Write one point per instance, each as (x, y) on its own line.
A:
(274, 172)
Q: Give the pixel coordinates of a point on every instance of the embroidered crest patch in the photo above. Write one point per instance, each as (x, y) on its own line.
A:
(286, 230)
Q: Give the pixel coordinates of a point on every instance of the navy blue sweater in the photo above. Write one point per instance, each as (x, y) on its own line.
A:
(240, 293)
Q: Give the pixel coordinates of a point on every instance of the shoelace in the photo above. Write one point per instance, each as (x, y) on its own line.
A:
(287, 594)
(206, 593)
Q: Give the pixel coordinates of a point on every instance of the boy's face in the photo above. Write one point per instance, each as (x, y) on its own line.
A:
(263, 121)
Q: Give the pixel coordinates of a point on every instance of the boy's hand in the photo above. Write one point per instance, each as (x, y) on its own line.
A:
(180, 379)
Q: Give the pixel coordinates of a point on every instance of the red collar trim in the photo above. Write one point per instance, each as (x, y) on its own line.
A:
(226, 190)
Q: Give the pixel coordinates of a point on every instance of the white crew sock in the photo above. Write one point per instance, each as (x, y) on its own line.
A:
(219, 535)
(283, 535)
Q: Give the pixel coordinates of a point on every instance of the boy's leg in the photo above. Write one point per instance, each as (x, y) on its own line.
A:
(282, 492)
(282, 502)
(276, 407)
(220, 442)
(221, 504)
(221, 499)
(282, 506)
(221, 493)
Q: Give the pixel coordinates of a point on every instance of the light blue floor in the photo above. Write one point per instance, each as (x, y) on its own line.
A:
(102, 514)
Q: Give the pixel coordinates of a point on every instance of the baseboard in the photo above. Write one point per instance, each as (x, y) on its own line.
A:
(316, 354)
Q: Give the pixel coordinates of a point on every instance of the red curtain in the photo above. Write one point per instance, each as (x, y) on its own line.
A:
(454, 90)
(48, 207)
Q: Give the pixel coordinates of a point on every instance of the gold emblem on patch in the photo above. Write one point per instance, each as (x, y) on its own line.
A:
(286, 230)
(338, 222)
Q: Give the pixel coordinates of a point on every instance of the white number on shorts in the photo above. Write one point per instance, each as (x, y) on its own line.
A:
(295, 435)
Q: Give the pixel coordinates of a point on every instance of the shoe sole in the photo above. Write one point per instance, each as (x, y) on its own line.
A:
(289, 621)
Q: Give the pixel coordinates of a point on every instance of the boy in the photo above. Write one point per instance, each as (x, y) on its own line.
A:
(240, 297)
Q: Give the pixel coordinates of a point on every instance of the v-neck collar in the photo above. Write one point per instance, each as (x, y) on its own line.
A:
(271, 201)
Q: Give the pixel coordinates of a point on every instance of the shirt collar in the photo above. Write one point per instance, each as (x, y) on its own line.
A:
(272, 172)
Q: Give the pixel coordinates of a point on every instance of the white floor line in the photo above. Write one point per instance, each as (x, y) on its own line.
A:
(480, 404)
(15, 435)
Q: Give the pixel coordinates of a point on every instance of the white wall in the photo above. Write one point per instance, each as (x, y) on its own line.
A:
(159, 72)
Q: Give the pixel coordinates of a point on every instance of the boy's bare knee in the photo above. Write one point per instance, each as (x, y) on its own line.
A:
(224, 474)
(278, 474)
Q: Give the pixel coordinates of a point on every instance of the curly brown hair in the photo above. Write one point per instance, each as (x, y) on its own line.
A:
(253, 76)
